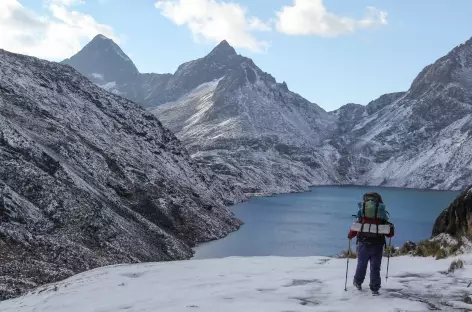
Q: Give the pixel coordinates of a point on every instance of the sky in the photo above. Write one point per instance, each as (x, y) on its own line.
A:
(331, 52)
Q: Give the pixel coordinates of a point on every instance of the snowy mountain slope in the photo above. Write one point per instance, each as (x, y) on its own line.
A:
(254, 284)
(250, 129)
(384, 100)
(88, 178)
(422, 138)
(350, 115)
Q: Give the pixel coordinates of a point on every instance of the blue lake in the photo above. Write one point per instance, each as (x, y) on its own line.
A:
(317, 222)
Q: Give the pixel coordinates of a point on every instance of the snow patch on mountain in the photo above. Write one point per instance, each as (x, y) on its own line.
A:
(188, 110)
(120, 53)
(110, 87)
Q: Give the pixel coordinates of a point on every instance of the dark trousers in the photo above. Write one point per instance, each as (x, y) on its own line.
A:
(366, 253)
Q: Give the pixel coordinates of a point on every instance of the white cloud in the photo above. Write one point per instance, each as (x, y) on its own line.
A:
(257, 24)
(215, 20)
(65, 2)
(56, 36)
(310, 17)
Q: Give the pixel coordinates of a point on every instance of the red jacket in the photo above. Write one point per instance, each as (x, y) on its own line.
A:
(353, 234)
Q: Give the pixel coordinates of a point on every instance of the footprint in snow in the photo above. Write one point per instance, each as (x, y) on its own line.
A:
(324, 261)
(297, 282)
(133, 275)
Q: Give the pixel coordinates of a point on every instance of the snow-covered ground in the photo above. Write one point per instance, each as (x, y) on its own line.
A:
(253, 284)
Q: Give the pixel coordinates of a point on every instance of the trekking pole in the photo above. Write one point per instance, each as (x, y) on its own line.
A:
(388, 259)
(347, 264)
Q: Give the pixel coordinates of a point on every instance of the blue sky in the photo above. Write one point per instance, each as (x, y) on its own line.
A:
(331, 52)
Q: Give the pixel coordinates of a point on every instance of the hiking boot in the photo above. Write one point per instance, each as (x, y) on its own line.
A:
(375, 292)
(357, 285)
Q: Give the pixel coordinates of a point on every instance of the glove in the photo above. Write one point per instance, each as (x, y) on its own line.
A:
(392, 231)
(351, 234)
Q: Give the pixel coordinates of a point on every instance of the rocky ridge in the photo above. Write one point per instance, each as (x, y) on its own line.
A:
(88, 178)
(421, 138)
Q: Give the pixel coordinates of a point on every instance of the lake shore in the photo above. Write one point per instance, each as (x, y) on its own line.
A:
(309, 213)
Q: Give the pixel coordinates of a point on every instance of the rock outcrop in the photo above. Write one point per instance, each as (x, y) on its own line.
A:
(456, 220)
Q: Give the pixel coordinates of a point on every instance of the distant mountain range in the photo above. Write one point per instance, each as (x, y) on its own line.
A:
(255, 133)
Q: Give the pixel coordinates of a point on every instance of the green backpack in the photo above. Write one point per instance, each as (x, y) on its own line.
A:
(372, 207)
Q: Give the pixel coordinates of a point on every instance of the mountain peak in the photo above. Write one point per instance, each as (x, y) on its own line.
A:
(101, 37)
(224, 43)
(103, 58)
(454, 67)
(102, 42)
(223, 49)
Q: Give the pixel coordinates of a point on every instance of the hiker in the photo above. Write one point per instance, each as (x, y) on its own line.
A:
(371, 215)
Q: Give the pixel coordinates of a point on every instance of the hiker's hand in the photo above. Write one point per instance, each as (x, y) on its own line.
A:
(351, 234)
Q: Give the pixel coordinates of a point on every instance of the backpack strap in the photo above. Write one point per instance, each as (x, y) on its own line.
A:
(376, 209)
(362, 217)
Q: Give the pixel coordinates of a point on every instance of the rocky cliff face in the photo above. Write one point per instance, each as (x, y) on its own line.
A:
(88, 178)
(456, 219)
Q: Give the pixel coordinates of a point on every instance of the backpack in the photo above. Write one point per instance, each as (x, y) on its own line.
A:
(372, 207)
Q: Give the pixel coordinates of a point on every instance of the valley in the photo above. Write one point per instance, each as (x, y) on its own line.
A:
(101, 164)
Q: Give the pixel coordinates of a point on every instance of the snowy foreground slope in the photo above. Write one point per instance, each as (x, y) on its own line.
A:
(252, 284)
